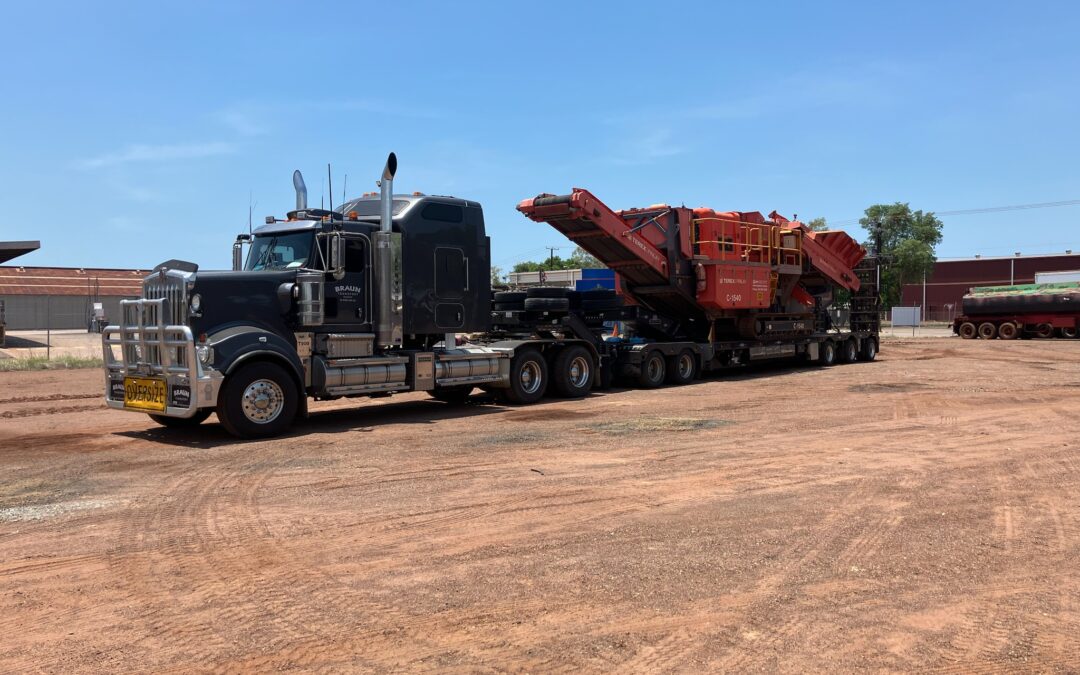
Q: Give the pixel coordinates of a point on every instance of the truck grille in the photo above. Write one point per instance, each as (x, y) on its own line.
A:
(173, 290)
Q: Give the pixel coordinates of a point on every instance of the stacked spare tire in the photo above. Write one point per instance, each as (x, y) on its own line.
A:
(556, 299)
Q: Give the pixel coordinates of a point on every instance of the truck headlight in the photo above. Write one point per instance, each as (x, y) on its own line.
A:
(205, 354)
(196, 302)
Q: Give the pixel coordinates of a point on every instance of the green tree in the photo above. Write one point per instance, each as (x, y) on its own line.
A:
(818, 225)
(496, 275)
(908, 239)
(579, 259)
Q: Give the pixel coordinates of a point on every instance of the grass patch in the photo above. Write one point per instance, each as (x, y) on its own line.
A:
(641, 425)
(42, 363)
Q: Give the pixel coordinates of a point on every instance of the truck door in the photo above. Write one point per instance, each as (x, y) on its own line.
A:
(347, 298)
(451, 285)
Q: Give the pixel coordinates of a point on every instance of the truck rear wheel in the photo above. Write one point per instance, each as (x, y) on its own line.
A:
(653, 370)
(987, 331)
(183, 422)
(573, 372)
(968, 331)
(1068, 333)
(528, 378)
(869, 349)
(682, 368)
(1044, 330)
(1008, 331)
(850, 351)
(257, 401)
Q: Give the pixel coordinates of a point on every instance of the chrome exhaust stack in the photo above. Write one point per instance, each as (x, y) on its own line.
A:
(301, 190)
(388, 267)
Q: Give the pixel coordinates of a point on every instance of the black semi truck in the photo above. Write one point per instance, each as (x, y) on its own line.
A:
(392, 293)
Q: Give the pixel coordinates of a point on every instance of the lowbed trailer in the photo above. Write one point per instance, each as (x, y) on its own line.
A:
(374, 298)
(1021, 311)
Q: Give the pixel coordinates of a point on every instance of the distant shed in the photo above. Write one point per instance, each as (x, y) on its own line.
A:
(62, 297)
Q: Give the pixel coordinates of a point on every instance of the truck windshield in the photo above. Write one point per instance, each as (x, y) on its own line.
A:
(284, 251)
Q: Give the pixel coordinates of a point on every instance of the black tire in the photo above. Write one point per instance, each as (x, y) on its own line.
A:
(869, 349)
(508, 306)
(547, 304)
(455, 395)
(987, 330)
(601, 304)
(827, 353)
(275, 384)
(1008, 331)
(547, 292)
(183, 422)
(510, 296)
(1069, 333)
(653, 370)
(528, 378)
(681, 368)
(849, 351)
(573, 372)
(968, 331)
(1044, 331)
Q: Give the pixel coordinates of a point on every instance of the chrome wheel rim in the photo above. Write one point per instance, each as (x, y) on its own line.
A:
(686, 367)
(579, 372)
(531, 377)
(263, 401)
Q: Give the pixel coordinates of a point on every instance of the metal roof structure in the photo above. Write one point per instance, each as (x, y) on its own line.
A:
(10, 250)
(89, 282)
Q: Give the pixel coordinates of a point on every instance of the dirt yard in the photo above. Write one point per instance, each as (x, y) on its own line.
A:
(920, 512)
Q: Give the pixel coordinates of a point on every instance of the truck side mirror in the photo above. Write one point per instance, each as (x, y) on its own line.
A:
(238, 251)
(337, 255)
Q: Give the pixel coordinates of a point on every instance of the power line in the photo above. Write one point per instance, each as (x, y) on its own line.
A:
(985, 209)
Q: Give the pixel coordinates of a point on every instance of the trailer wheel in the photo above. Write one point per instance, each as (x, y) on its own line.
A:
(258, 401)
(869, 349)
(455, 395)
(827, 353)
(510, 296)
(682, 369)
(653, 369)
(528, 378)
(1044, 330)
(968, 331)
(1008, 331)
(183, 422)
(1069, 333)
(573, 372)
(850, 351)
(987, 330)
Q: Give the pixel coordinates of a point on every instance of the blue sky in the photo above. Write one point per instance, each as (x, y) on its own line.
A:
(134, 132)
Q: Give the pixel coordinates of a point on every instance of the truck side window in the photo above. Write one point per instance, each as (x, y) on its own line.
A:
(355, 255)
(450, 273)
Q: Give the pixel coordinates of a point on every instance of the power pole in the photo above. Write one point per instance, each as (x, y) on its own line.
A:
(551, 254)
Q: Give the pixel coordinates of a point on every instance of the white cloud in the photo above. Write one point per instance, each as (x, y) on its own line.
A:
(242, 122)
(157, 153)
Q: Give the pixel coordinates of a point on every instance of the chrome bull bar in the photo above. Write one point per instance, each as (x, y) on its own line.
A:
(149, 347)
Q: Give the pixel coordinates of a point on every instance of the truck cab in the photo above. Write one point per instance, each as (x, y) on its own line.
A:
(362, 300)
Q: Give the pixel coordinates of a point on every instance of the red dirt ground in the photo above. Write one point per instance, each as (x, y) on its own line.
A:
(919, 512)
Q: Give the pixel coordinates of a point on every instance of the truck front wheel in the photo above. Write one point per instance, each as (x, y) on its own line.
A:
(257, 401)
(528, 378)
